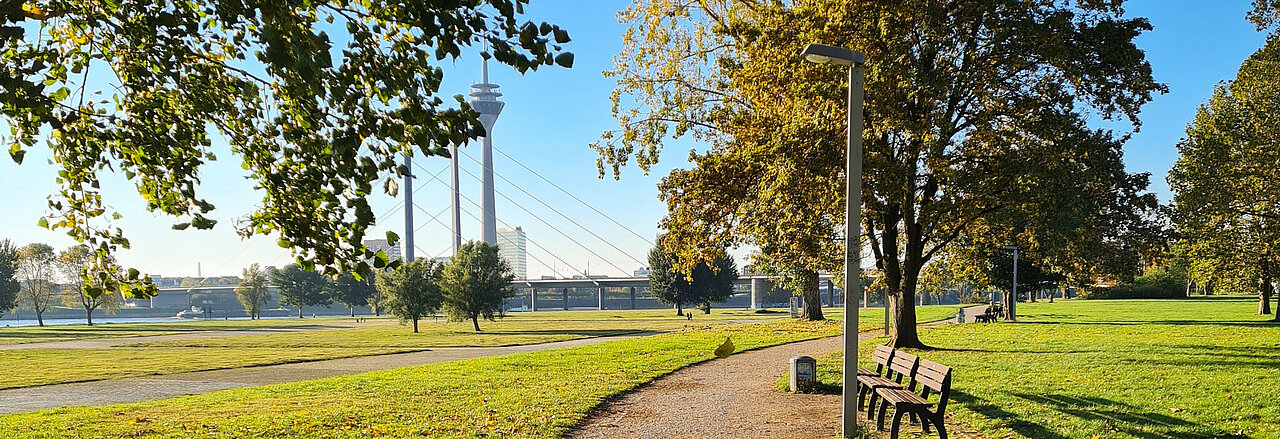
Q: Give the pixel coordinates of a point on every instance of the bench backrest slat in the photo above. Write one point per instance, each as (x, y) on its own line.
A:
(882, 356)
(936, 377)
(903, 366)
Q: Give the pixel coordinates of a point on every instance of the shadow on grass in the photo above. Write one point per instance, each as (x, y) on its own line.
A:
(1127, 418)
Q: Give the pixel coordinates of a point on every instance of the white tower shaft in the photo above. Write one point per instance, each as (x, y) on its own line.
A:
(485, 101)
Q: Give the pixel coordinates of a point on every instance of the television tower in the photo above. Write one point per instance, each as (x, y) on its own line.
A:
(485, 101)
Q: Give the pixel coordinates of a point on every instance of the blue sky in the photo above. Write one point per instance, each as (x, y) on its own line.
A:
(550, 118)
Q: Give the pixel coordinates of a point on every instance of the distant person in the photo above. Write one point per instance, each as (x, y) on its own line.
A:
(688, 315)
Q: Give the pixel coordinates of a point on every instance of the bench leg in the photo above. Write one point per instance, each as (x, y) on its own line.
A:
(884, 406)
(942, 426)
(897, 423)
(924, 423)
(862, 396)
(871, 404)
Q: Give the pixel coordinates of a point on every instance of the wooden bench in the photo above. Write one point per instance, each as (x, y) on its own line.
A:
(989, 316)
(901, 367)
(932, 378)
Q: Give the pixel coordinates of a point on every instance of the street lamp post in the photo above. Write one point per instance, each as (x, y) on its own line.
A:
(1013, 303)
(831, 55)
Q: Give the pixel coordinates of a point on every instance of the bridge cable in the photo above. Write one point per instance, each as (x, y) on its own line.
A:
(530, 241)
(553, 227)
(504, 223)
(557, 211)
(584, 203)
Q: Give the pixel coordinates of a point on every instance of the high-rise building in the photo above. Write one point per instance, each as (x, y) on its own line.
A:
(511, 246)
(393, 251)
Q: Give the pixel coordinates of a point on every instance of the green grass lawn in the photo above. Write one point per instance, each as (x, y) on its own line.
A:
(541, 394)
(38, 367)
(36, 334)
(1196, 368)
(515, 329)
(159, 358)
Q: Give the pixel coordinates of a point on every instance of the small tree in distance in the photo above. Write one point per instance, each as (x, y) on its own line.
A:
(476, 283)
(36, 267)
(72, 263)
(9, 285)
(300, 287)
(412, 292)
(252, 291)
(353, 292)
(705, 287)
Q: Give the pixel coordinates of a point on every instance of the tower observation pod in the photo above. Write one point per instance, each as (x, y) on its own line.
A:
(484, 99)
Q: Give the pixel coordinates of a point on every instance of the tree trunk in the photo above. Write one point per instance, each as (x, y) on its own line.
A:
(904, 328)
(299, 311)
(352, 308)
(812, 297)
(39, 317)
(1264, 296)
(679, 309)
(415, 325)
(88, 316)
(475, 321)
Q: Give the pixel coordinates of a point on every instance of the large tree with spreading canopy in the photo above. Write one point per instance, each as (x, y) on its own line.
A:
(972, 109)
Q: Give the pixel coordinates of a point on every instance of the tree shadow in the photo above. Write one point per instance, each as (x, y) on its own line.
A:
(1126, 418)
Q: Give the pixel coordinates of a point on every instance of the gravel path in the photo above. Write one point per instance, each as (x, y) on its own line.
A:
(91, 393)
(110, 342)
(731, 398)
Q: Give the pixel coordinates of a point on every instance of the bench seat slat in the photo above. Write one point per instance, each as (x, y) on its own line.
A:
(877, 382)
(902, 397)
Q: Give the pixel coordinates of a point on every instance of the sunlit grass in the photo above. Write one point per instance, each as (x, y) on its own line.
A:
(540, 394)
(1198, 368)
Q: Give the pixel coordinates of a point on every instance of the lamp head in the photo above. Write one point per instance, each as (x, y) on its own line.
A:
(1010, 247)
(831, 55)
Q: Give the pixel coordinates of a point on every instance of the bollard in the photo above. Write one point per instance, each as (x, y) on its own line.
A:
(804, 372)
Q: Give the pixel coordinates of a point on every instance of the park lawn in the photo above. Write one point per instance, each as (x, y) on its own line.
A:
(523, 328)
(1193, 368)
(515, 329)
(36, 334)
(38, 367)
(540, 394)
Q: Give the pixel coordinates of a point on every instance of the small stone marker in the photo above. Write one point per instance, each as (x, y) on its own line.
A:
(804, 372)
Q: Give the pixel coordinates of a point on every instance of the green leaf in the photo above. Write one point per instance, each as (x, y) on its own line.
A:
(392, 237)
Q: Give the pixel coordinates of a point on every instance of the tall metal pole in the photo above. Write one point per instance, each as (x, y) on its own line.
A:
(457, 207)
(1013, 301)
(408, 208)
(852, 250)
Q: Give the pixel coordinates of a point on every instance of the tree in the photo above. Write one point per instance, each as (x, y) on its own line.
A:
(320, 99)
(36, 270)
(353, 292)
(375, 299)
(476, 282)
(299, 287)
(73, 263)
(968, 106)
(413, 291)
(705, 286)
(1226, 184)
(9, 286)
(252, 291)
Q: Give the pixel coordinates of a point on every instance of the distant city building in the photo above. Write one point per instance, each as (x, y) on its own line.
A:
(545, 277)
(511, 246)
(642, 272)
(442, 259)
(393, 251)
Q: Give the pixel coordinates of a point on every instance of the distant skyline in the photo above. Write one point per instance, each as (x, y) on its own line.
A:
(550, 117)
